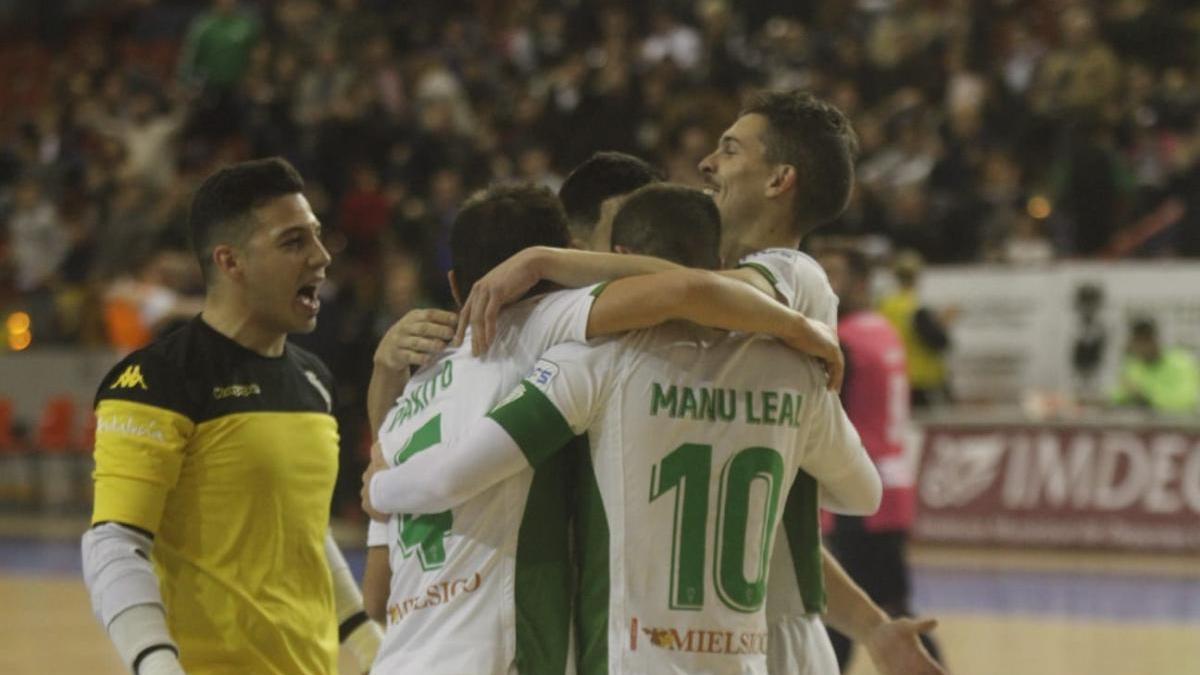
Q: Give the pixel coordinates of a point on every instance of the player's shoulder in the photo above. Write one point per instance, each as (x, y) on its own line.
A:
(786, 260)
(769, 359)
(307, 361)
(158, 374)
(593, 350)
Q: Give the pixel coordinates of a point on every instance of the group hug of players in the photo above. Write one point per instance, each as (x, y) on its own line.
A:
(618, 468)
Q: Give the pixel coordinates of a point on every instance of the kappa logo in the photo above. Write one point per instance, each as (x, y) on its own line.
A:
(130, 378)
(961, 469)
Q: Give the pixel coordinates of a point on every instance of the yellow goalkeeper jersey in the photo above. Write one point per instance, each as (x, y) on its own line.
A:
(228, 458)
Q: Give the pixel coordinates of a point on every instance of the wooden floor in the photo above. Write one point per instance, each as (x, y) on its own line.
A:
(1001, 612)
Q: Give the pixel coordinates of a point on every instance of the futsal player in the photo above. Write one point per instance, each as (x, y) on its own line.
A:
(216, 455)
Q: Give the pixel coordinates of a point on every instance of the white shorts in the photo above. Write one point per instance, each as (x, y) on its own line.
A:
(799, 645)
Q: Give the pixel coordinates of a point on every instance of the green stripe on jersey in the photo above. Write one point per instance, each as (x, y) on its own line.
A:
(762, 269)
(542, 592)
(801, 522)
(534, 423)
(591, 540)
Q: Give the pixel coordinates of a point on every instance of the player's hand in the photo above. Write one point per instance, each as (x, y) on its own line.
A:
(820, 341)
(414, 339)
(895, 648)
(506, 283)
(377, 464)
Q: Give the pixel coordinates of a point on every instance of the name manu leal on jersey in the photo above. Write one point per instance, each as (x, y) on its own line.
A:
(776, 408)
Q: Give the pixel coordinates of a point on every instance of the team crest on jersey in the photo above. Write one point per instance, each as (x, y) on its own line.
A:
(543, 373)
(130, 378)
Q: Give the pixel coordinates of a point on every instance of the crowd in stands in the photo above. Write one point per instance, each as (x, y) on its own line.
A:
(1014, 131)
(1011, 131)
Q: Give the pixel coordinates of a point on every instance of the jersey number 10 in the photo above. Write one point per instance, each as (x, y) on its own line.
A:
(687, 470)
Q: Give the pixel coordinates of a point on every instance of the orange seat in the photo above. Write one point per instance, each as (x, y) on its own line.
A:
(124, 326)
(87, 437)
(56, 428)
(8, 441)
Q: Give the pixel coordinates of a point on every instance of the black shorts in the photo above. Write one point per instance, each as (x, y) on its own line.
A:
(877, 561)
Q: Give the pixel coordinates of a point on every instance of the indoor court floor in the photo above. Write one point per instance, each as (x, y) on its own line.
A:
(1001, 612)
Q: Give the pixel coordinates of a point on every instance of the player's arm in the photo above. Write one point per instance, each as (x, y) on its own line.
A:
(847, 479)
(755, 277)
(141, 433)
(411, 341)
(715, 300)
(894, 644)
(512, 279)
(377, 573)
(355, 629)
(545, 411)
(493, 449)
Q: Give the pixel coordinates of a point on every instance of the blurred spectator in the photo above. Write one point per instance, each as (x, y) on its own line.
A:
(1091, 338)
(923, 334)
(873, 549)
(213, 59)
(533, 164)
(1078, 80)
(1162, 379)
(156, 297)
(972, 116)
(671, 40)
(36, 237)
(1027, 245)
(217, 48)
(365, 213)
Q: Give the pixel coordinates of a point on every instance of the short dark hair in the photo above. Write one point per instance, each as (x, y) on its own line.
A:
(495, 224)
(223, 205)
(674, 222)
(603, 175)
(816, 138)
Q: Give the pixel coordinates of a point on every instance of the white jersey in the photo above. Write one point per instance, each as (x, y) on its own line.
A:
(696, 437)
(799, 644)
(464, 596)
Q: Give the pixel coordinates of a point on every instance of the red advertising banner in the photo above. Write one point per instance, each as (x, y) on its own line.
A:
(1085, 486)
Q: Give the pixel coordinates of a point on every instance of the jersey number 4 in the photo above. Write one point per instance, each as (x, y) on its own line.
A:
(686, 471)
(424, 533)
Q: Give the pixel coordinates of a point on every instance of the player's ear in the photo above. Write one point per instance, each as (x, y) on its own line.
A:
(458, 298)
(783, 178)
(227, 261)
